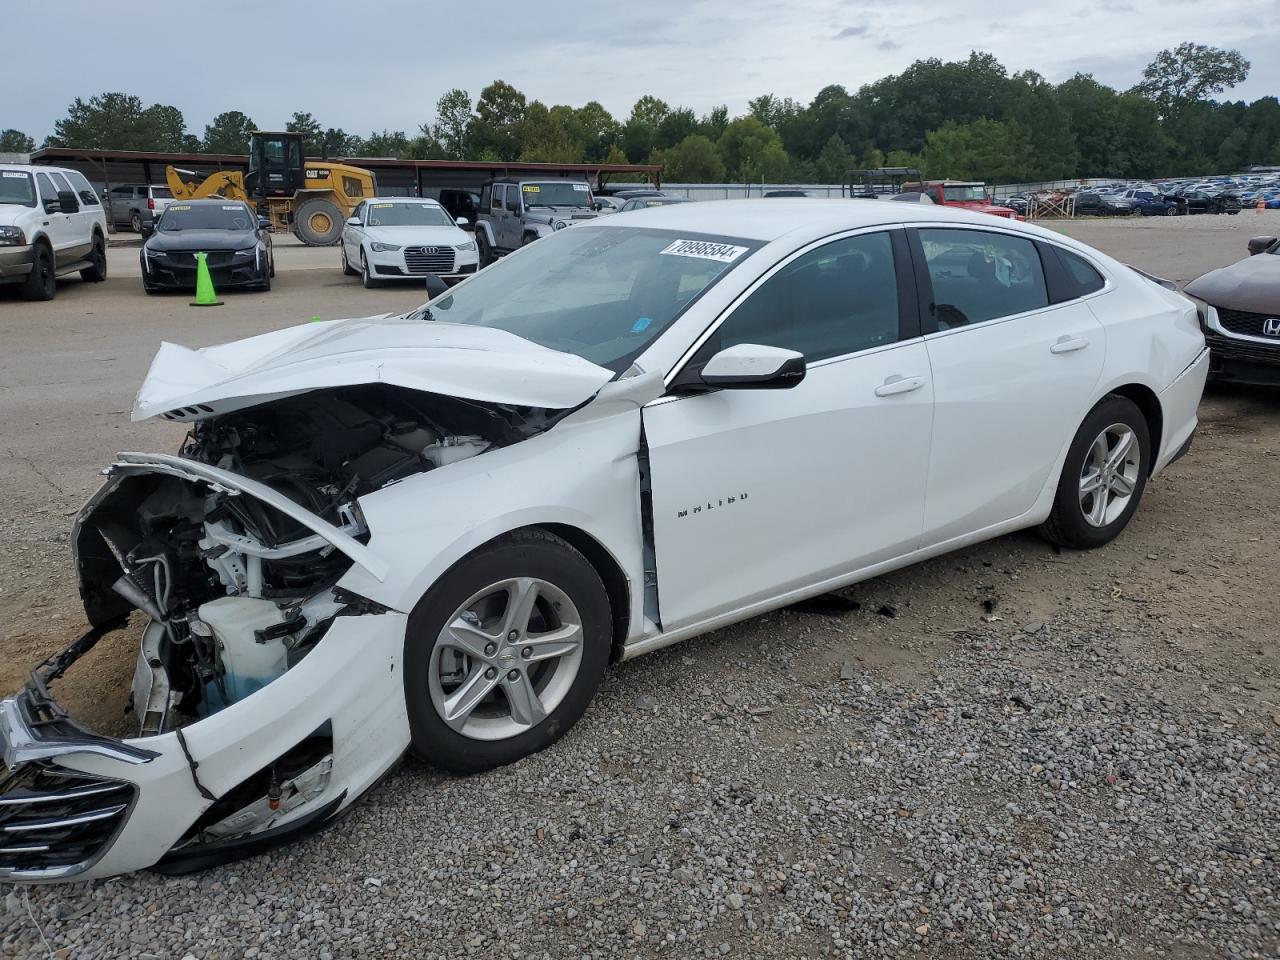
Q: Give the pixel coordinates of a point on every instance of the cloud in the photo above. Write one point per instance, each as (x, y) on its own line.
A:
(696, 53)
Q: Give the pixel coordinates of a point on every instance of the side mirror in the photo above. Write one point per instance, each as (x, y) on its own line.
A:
(264, 223)
(148, 228)
(462, 221)
(435, 286)
(1261, 245)
(353, 221)
(751, 366)
(68, 201)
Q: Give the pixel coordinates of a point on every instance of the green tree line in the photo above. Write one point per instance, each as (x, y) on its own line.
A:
(965, 119)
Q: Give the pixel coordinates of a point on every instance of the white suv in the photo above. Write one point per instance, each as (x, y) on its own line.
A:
(51, 223)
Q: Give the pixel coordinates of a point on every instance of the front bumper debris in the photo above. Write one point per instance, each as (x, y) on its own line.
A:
(75, 805)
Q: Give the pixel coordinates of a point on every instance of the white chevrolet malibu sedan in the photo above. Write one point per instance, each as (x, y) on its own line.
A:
(433, 532)
(405, 238)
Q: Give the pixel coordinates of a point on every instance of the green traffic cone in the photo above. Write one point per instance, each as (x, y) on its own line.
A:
(205, 297)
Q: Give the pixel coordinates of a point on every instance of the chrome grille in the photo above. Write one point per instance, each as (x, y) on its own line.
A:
(1248, 324)
(55, 822)
(421, 260)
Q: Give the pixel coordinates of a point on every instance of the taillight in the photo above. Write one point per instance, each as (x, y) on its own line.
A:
(151, 203)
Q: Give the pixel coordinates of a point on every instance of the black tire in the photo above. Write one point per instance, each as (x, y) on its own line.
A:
(135, 222)
(150, 291)
(265, 285)
(366, 275)
(1067, 525)
(96, 272)
(483, 251)
(527, 239)
(534, 553)
(271, 260)
(347, 269)
(41, 282)
(318, 222)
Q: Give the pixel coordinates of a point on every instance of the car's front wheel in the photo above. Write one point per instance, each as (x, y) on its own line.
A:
(505, 652)
(366, 276)
(1103, 478)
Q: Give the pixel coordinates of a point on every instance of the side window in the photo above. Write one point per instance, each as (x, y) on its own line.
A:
(499, 192)
(485, 193)
(1085, 278)
(47, 190)
(86, 192)
(119, 193)
(358, 212)
(513, 198)
(980, 276)
(60, 183)
(837, 299)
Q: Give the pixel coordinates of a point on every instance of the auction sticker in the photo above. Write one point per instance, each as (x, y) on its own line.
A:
(15, 175)
(705, 250)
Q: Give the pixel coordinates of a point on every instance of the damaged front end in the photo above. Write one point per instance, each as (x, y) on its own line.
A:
(266, 696)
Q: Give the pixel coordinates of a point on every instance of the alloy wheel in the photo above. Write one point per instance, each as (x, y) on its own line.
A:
(1109, 475)
(506, 658)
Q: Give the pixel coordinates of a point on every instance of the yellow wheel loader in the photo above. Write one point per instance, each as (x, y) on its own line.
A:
(313, 198)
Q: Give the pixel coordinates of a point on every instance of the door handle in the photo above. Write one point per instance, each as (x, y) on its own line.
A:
(897, 384)
(1067, 344)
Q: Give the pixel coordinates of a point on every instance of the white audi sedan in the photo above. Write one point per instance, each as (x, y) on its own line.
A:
(434, 532)
(405, 238)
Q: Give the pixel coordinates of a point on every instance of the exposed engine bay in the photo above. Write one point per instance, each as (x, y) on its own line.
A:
(236, 592)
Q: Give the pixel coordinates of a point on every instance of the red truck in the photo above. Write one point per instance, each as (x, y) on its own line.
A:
(961, 193)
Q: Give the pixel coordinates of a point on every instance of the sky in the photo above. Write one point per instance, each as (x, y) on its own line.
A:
(382, 64)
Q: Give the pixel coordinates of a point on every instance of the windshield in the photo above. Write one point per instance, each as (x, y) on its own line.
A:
(16, 187)
(556, 193)
(603, 294)
(407, 215)
(213, 216)
(967, 192)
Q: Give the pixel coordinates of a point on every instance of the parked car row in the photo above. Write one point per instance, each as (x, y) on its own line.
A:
(1216, 195)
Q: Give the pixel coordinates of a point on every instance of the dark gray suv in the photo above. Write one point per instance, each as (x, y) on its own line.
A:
(515, 212)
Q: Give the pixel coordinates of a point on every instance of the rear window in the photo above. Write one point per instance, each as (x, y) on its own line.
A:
(1081, 272)
(162, 193)
(81, 185)
(213, 216)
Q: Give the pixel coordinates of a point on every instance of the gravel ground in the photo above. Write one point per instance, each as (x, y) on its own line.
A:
(1005, 752)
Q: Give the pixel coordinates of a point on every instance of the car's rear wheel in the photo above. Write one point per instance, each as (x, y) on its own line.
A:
(96, 272)
(41, 282)
(505, 652)
(1104, 476)
(135, 222)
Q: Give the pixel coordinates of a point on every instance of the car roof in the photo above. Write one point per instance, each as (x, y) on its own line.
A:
(426, 200)
(33, 168)
(211, 202)
(755, 220)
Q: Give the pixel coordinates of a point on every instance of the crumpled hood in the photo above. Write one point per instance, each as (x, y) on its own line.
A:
(1251, 285)
(460, 360)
